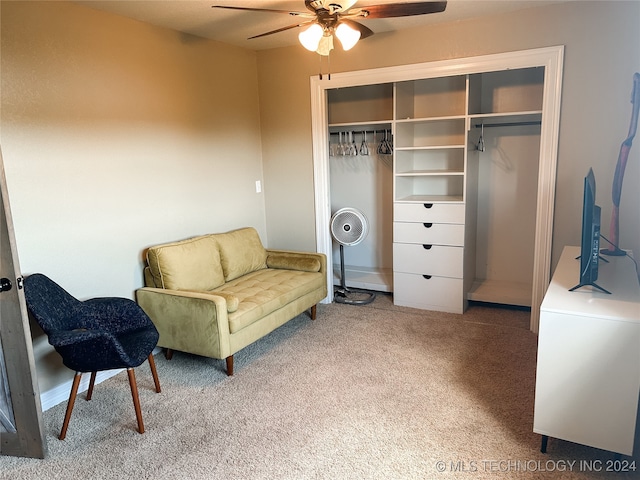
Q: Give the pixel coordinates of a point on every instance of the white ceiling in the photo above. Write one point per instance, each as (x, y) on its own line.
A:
(196, 17)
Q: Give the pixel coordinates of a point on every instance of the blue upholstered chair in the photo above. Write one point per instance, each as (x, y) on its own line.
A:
(93, 335)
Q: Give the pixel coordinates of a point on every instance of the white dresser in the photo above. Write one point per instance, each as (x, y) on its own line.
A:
(588, 370)
(428, 254)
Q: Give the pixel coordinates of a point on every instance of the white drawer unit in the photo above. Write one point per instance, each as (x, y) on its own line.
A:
(429, 212)
(428, 292)
(428, 256)
(428, 259)
(428, 233)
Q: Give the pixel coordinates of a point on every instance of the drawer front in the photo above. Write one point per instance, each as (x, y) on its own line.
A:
(428, 212)
(435, 293)
(428, 233)
(428, 259)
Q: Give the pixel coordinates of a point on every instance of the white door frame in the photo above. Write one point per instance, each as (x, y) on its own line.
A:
(551, 58)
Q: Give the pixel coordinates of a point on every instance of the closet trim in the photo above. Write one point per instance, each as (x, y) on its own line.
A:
(551, 58)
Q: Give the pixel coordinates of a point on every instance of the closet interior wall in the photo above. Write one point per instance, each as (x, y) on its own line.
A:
(364, 180)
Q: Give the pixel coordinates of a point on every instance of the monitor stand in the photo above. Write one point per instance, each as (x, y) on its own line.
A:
(593, 284)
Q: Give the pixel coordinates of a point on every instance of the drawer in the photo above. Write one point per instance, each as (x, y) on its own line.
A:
(428, 259)
(434, 293)
(428, 233)
(428, 212)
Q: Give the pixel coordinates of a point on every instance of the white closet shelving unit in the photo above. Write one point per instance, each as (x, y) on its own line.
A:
(429, 185)
(467, 224)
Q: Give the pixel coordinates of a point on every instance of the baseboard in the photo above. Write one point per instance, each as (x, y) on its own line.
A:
(60, 393)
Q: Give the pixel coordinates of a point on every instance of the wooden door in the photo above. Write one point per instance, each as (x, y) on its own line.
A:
(21, 426)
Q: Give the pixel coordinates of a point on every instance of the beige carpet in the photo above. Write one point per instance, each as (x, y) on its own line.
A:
(375, 392)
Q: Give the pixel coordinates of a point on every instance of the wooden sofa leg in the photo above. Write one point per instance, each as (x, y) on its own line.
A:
(229, 365)
(314, 311)
(168, 354)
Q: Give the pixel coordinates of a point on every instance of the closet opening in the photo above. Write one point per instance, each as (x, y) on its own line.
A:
(453, 163)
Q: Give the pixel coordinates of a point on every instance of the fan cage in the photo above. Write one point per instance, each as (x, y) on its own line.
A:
(349, 226)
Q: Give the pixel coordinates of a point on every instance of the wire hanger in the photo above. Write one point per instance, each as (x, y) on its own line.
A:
(480, 144)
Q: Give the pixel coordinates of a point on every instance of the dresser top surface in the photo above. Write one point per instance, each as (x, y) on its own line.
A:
(618, 277)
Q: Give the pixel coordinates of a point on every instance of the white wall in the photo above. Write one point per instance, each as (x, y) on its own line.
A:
(117, 135)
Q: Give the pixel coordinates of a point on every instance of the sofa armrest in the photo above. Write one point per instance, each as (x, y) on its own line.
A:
(194, 322)
(291, 260)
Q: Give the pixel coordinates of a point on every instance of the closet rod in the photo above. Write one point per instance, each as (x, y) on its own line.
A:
(355, 130)
(506, 124)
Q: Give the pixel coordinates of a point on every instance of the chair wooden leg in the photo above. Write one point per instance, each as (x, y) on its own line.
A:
(314, 311)
(72, 401)
(168, 354)
(156, 380)
(92, 382)
(136, 399)
(229, 365)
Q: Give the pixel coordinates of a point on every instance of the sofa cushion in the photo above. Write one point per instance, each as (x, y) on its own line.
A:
(192, 264)
(264, 291)
(293, 261)
(241, 252)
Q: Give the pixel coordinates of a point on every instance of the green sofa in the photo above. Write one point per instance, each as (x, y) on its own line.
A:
(213, 295)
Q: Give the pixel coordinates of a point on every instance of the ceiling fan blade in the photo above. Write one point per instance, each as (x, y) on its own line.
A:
(282, 29)
(249, 9)
(364, 31)
(401, 9)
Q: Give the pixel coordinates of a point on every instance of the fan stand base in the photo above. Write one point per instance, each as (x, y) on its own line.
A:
(341, 295)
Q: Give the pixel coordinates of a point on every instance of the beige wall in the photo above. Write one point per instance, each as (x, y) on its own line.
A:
(117, 135)
(602, 51)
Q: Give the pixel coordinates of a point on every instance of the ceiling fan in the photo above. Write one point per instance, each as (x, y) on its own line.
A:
(328, 17)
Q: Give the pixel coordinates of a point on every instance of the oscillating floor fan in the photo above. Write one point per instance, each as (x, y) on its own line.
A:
(349, 227)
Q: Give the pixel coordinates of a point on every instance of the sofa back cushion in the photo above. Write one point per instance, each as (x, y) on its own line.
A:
(241, 252)
(192, 264)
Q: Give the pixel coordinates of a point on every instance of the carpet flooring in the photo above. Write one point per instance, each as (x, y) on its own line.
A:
(363, 392)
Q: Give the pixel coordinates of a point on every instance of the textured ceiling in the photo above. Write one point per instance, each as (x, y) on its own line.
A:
(196, 17)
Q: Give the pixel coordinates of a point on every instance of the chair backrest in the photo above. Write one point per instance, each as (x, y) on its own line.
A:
(51, 305)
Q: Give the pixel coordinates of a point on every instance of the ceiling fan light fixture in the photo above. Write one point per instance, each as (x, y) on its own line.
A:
(310, 38)
(325, 45)
(348, 36)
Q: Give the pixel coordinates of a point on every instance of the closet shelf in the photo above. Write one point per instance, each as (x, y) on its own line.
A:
(370, 278)
(430, 119)
(430, 199)
(414, 173)
(429, 147)
(360, 126)
(533, 117)
(503, 292)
